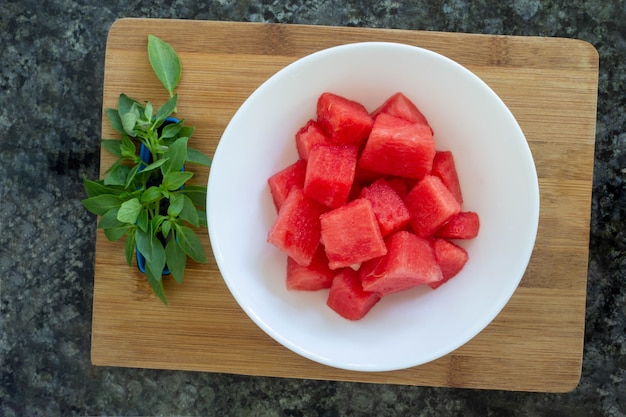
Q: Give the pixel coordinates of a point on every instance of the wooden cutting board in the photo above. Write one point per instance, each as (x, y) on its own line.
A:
(535, 344)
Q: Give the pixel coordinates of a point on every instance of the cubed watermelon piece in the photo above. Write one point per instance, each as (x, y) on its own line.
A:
(451, 259)
(297, 228)
(285, 180)
(330, 174)
(347, 298)
(445, 169)
(410, 261)
(391, 212)
(344, 121)
(431, 205)
(399, 105)
(351, 234)
(316, 276)
(309, 136)
(464, 225)
(398, 147)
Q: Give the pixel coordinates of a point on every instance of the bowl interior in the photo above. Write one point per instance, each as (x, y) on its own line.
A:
(498, 181)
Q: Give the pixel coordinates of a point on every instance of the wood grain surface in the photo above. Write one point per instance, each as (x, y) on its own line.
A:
(536, 342)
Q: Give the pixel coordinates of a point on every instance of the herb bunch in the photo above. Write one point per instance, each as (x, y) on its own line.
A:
(147, 200)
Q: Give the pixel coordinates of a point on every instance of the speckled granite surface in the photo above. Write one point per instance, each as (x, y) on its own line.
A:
(51, 69)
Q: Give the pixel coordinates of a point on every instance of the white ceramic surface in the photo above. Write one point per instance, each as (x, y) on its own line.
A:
(498, 180)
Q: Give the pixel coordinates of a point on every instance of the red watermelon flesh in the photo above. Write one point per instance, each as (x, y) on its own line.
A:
(391, 212)
(285, 180)
(431, 205)
(330, 174)
(400, 186)
(398, 147)
(399, 105)
(314, 277)
(464, 225)
(346, 122)
(445, 169)
(410, 261)
(351, 234)
(451, 259)
(309, 136)
(296, 230)
(347, 298)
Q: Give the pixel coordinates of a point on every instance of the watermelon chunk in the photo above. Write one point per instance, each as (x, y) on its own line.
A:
(464, 225)
(391, 212)
(285, 180)
(297, 228)
(347, 298)
(451, 259)
(330, 174)
(445, 169)
(309, 136)
(398, 147)
(344, 121)
(431, 205)
(314, 277)
(409, 261)
(399, 105)
(351, 234)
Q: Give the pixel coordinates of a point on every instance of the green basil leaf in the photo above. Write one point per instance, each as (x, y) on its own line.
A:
(156, 282)
(115, 120)
(116, 232)
(129, 210)
(142, 238)
(100, 204)
(170, 130)
(127, 147)
(189, 212)
(148, 111)
(176, 260)
(202, 218)
(94, 188)
(157, 261)
(129, 120)
(176, 155)
(186, 131)
(129, 248)
(130, 177)
(155, 165)
(117, 174)
(167, 109)
(142, 219)
(190, 243)
(166, 227)
(125, 104)
(113, 146)
(157, 221)
(165, 63)
(197, 157)
(197, 194)
(174, 180)
(151, 194)
(109, 220)
(177, 202)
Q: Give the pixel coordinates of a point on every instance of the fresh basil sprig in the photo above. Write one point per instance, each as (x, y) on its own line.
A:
(149, 201)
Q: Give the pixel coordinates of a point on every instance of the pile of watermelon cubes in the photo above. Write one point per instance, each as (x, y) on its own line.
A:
(370, 208)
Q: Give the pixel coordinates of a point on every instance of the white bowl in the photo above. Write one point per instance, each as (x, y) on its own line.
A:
(498, 180)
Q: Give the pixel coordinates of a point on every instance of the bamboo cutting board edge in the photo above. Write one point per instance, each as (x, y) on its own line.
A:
(455, 369)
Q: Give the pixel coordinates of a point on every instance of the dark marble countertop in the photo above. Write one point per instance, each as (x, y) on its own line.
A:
(51, 76)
